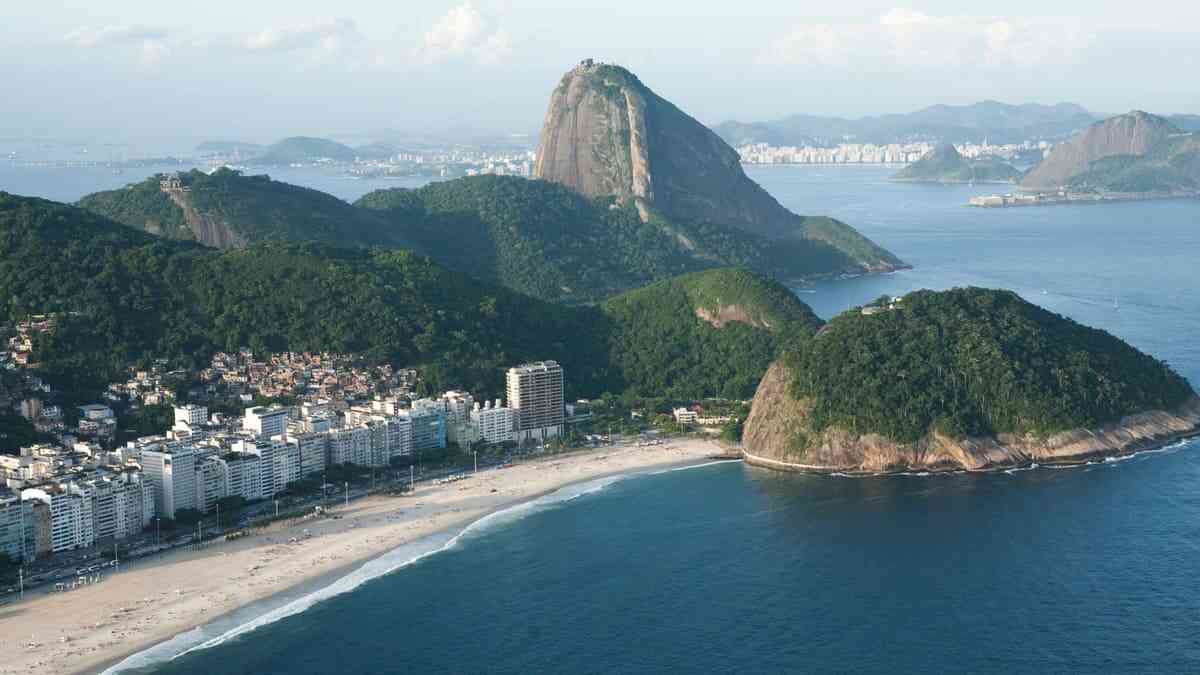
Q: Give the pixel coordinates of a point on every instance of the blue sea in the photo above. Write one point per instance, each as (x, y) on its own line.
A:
(728, 568)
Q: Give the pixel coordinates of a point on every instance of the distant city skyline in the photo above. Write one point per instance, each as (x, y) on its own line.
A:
(152, 74)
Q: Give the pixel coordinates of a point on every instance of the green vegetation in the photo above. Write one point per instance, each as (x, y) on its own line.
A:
(15, 433)
(125, 298)
(304, 149)
(144, 206)
(1172, 165)
(534, 237)
(133, 298)
(972, 362)
(249, 209)
(660, 346)
(944, 164)
(144, 421)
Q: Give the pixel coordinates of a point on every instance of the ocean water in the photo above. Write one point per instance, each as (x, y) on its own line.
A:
(729, 568)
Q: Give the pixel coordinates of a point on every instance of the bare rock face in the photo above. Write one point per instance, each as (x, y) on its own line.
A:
(775, 437)
(607, 134)
(1131, 134)
(208, 229)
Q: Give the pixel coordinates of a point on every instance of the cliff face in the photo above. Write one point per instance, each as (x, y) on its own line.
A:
(777, 423)
(607, 134)
(1135, 133)
(207, 228)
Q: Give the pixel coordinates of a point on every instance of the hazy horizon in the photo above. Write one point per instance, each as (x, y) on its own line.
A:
(151, 74)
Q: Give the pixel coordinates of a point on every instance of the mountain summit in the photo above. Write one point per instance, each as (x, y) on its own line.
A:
(1132, 134)
(608, 135)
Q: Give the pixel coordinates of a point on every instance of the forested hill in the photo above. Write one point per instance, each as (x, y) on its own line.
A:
(551, 242)
(944, 164)
(535, 237)
(705, 334)
(226, 209)
(126, 297)
(970, 362)
(134, 297)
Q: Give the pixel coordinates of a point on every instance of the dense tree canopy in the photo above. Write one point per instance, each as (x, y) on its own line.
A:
(661, 346)
(972, 362)
(125, 298)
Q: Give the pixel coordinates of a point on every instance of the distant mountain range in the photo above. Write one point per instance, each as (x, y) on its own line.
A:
(988, 120)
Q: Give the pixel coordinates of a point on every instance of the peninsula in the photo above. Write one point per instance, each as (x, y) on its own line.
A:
(969, 379)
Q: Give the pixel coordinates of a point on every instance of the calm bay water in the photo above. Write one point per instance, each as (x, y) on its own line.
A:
(730, 568)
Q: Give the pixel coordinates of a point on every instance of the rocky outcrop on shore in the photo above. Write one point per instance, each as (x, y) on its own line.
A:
(776, 418)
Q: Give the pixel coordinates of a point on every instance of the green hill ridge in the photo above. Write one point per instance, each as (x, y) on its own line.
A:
(128, 297)
(226, 209)
(944, 164)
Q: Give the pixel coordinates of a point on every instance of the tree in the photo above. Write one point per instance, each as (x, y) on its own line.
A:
(230, 509)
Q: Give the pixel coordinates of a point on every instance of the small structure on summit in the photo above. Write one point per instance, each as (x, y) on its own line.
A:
(173, 183)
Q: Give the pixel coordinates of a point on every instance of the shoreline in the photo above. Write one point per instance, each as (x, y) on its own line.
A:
(146, 606)
(1082, 460)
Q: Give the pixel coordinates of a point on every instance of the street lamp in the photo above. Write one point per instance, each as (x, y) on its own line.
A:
(157, 531)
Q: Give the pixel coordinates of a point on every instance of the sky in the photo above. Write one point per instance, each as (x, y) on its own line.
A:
(174, 73)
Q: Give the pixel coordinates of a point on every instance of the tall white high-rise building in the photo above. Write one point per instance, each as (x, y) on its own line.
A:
(171, 470)
(535, 392)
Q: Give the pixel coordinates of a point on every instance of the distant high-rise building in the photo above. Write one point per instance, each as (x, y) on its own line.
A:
(535, 392)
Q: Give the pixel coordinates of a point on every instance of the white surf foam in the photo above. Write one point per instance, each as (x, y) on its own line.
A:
(201, 637)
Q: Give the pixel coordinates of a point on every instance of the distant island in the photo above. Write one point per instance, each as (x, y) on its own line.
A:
(970, 379)
(1136, 156)
(945, 164)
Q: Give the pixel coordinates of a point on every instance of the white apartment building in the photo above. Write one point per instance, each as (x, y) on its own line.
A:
(535, 392)
(269, 422)
(310, 447)
(122, 505)
(171, 470)
(71, 521)
(458, 405)
(191, 414)
(496, 423)
(212, 484)
(286, 464)
(17, 528)
(245, 476)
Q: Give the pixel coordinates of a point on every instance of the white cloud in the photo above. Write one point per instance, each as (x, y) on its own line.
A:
(98, 36)
(327, 36)
(150, 42)
(907, 39)
(465, 32)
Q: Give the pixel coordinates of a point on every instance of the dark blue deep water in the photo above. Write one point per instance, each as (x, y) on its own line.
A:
(729, 568)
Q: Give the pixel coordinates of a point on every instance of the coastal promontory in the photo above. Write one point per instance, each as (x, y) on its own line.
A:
(968, 379)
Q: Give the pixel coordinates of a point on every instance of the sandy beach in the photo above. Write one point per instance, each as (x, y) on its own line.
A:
(91, 628)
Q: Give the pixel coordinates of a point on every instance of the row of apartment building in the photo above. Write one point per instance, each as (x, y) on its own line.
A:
(60, 499)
